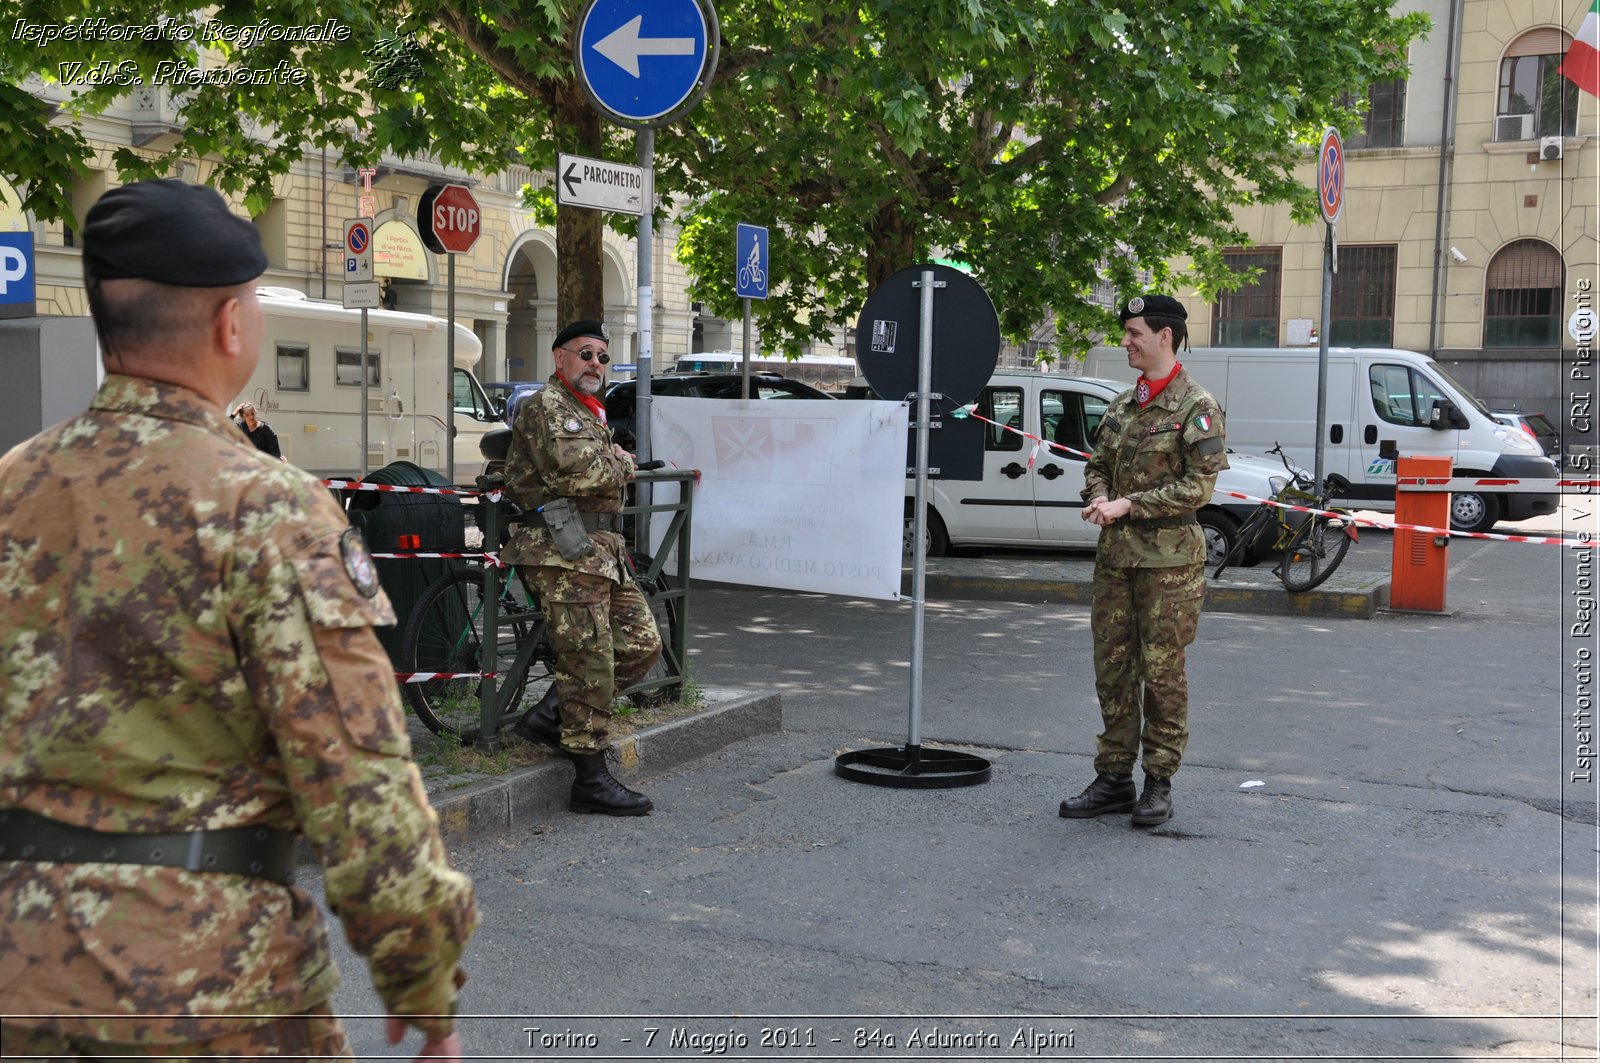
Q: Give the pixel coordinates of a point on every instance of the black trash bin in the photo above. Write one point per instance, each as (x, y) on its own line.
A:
(400, 521)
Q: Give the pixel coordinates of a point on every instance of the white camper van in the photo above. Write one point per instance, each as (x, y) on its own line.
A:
(1382, 403)
(1027, 499)
(307, 386)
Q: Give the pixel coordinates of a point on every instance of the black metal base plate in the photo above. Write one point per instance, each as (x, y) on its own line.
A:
(912, 768)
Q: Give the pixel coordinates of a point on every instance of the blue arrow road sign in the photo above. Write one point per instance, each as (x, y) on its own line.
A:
(641, 59)
(750, 258)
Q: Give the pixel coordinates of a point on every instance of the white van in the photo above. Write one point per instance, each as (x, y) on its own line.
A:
(1381, 403)
(307, 386)
(1041, 504)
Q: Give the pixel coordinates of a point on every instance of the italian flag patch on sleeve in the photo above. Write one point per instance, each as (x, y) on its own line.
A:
(1203, 422)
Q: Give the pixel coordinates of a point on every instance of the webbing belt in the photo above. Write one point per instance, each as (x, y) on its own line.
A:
(260, 852)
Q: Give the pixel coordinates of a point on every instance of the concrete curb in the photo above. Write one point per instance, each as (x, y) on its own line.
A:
(531, 794)
(1357, 599)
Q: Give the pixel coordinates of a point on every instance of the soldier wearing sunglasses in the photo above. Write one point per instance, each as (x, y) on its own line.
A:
(569, 477)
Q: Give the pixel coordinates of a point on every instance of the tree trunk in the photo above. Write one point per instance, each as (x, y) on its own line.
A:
(580, 273)
(892, 244)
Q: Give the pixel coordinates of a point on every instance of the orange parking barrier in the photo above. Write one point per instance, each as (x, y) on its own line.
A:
(1421, 561)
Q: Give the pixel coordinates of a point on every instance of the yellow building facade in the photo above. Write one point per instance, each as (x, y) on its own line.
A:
(1470, 215)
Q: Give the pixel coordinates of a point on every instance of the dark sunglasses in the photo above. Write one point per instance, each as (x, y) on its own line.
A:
(589, 354)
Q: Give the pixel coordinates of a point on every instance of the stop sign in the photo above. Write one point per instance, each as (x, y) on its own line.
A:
(449, 218)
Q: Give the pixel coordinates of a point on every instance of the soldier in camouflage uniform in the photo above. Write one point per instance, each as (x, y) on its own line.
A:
(604, 633)
(1156, 458)
(188, 682)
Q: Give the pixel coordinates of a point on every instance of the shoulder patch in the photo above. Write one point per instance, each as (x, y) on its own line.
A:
(1203, 422)
(358, 563)
(571, 425)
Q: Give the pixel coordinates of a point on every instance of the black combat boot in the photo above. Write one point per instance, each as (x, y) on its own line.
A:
(1155, 804)
(594, 790)
(541, 724)
(1111, 791)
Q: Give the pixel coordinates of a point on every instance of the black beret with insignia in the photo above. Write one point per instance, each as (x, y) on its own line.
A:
(580, 329)
(170, 232)
(1154, 306)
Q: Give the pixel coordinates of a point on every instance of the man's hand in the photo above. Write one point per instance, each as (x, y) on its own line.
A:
(1103, 512)
(447, 1048)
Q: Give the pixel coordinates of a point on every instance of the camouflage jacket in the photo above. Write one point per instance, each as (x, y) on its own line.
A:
(560, 449)
(1164, 459)
(187, 645)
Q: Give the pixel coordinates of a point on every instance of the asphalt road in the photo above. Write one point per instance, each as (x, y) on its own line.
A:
(1414, 876)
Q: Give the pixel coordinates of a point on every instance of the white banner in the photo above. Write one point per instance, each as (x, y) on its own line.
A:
(802, 494)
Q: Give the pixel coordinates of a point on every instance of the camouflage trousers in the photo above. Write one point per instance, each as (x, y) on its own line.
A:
(1141, 619)
(313, 1035)
(605, 639)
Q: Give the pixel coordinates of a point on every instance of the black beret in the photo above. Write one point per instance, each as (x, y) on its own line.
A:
(596, 329)
(170, 232)
(1154, 305)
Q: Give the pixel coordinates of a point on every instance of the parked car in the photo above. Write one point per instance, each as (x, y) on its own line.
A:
(621, 400)
(1536, 426)
(506, 394)
(1034, 500)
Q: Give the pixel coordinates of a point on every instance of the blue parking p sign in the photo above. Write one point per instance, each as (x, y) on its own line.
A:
(750, 261)
(16, 275)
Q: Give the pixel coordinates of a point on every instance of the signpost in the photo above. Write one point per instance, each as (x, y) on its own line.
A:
(601, 185)
(451, 223)
(750, 265)
(643, 64)
(361, 293)
(1330, 196)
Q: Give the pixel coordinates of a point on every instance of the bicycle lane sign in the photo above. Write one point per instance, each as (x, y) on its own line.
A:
(750, 256)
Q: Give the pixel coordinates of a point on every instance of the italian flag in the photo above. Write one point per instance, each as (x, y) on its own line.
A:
(1582, 64)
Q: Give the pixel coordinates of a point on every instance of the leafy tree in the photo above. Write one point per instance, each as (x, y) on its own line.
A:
(1042, 142)
(1047, 143)
(439, 83)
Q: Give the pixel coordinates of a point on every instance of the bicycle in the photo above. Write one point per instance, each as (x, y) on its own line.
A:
(445, 634)
(1309, 546)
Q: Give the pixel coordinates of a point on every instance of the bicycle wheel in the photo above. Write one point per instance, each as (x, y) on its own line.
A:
(666, 615)
(1314, 551)
(445, 635)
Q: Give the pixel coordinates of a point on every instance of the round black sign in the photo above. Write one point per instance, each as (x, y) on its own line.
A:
(966, 336)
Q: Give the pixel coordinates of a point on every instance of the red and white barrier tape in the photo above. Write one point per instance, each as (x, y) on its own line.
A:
(493, 559)
(1469, 483)
(428, 677)
(1545, 540)
(357, 485)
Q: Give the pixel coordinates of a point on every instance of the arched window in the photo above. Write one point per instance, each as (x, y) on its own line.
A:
(1522, 296)
(1534, 100)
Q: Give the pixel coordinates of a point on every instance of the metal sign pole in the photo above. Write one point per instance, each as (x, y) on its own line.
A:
(1322, 355)
(744, 370)
(919, 561)
(646, 241)
(365, 408)
(911, 766)
(450, 374)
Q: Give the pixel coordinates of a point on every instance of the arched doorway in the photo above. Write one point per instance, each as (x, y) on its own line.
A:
(530, 319)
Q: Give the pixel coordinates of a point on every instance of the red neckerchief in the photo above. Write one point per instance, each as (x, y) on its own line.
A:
(1149, 389)
(596, 407)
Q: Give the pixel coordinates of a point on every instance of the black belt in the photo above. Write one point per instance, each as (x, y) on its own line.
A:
(1163, 522)
(261, 852)
(591, 521)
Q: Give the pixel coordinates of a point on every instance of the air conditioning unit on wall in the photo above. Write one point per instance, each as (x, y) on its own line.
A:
(1513, 127)
(1550, 148)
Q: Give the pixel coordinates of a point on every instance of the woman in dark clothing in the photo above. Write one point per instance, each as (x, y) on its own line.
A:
(265, 439)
